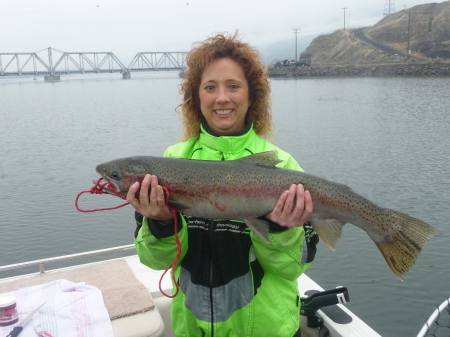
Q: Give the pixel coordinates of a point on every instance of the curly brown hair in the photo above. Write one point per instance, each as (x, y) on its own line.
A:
(220, 46)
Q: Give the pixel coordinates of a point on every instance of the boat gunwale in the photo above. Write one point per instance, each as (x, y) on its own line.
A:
(41, 262)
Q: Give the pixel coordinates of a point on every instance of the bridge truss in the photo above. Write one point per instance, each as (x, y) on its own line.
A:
(158, 61)
(18, 64)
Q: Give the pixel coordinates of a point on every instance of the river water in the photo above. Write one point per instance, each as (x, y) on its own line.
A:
(387, 138)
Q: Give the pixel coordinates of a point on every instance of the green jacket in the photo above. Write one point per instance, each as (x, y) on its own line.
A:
(231, 282)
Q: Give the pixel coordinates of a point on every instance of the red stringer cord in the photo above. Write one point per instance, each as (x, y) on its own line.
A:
(107, 188)
(173, 265)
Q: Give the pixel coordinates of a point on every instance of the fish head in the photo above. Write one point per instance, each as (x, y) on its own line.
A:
(122, 173)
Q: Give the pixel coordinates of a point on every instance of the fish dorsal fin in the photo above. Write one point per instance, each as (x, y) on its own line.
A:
(268, 158)
(329, 231)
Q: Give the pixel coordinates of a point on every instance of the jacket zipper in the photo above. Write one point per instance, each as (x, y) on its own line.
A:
(211, 267)
(211, 273)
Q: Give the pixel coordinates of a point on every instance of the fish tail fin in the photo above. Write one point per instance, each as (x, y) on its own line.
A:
(405, 242)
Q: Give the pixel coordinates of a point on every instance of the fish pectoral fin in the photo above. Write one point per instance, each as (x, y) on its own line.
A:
(259, 227)
(329, 231)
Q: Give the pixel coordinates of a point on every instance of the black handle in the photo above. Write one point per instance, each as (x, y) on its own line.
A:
(16, 331)
(319, 300)
(324, 298)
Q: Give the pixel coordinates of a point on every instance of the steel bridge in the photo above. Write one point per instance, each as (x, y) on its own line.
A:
(35, 63)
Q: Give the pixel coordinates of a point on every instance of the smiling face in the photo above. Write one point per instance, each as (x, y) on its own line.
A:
(224, 96)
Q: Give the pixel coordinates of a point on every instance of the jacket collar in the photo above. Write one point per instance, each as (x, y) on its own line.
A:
(230, 143)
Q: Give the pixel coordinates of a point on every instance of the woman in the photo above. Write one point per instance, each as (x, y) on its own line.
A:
(232, 283)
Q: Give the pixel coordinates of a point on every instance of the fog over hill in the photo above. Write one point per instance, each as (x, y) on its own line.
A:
(285, 49)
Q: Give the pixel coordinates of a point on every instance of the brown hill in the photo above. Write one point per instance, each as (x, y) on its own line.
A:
(425, 28)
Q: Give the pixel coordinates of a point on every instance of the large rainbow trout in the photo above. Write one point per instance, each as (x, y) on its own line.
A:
(248, 188)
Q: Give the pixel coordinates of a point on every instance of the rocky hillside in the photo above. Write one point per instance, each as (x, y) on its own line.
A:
(387, 41)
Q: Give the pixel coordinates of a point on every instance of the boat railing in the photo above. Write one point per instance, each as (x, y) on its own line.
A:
(41, 262)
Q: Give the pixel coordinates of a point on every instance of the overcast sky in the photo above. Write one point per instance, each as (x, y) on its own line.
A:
(126, 27)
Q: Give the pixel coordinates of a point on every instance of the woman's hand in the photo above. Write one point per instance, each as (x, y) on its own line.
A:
(293, 208)
(151, 202)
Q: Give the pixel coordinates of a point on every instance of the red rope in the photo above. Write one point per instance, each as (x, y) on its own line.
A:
(107, 188)
(178, 250)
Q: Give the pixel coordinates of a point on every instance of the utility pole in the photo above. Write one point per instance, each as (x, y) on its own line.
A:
(389, 7)
(344, 8)
(296, 32)
(408, 51)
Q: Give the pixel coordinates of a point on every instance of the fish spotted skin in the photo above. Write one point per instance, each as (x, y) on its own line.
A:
(248, 188)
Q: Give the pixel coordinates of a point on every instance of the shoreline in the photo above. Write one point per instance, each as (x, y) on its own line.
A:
(363, 70)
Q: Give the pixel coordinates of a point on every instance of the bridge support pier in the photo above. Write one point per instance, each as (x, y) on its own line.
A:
(126, 75)
(52, 78)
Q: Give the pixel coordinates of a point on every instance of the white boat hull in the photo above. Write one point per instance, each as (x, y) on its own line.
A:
(157, 322)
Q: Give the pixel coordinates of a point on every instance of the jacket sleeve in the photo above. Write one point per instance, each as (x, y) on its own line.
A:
(291, 250)
(155, 242)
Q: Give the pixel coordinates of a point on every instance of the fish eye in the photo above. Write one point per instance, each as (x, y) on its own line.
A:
(115, 175)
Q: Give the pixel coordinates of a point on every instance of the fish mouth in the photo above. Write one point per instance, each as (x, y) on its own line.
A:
(103, 183)
(115, 180)
(106, 179)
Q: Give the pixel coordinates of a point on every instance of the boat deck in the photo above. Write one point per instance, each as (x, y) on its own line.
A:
(156, 322)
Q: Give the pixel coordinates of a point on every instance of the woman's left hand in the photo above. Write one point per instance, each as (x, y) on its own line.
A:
(293, 208)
